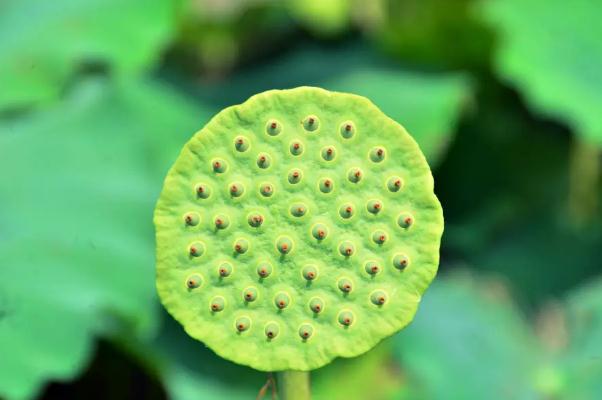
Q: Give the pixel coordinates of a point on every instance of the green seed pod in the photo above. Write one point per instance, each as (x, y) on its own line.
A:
(311, 123)
(264, 269)
(221, 221)
(241, 144)
(310, 272)
(298, 210)
(374, 206)
(192, 219)
(264, 161)
(217, 304)
(379, 237)
(306, 331)
(332, 242)
(282, 300)
(249, 294)
(272, 329)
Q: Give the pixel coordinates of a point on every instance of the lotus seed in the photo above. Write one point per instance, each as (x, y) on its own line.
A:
(294, 176)
(346, 318)
(241, 246)
(194, 281)
(346, 248)
(196, 249)
(405, 220)
(236, 189)
(243, 324)
(346, 210)
(221, 221)
(378, 297)
(377, 154)
(394, 184)
(316, 305)
(374, 206)
(379, 237)
(326, 185)
(217, 304)
(328, 153)
(311, 123)
(266, 189)
(310, 272)
(372, 267)
(263, 161)
(219, 166)
(347, 130)
(319, 231)
(224, 270)
(192, 219)
(264, 269)
(273, 127)
(355, 175)
(255, 220)
(241, 143)
(202, 191)
(401, 261)
(345, 285)
(282, 300)
(250, 294)
(272, 329)
(296, 148)
(298, 210)
(305, 331)
(284, 245)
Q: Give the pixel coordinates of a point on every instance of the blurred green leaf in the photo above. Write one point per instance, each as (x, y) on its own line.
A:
(322, 17)
(468, 341)
(44, 43)
(551, 50)
(78, 189)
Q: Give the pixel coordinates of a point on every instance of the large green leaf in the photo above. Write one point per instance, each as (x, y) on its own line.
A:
(78, 188)
(551, 50)
(44, 43)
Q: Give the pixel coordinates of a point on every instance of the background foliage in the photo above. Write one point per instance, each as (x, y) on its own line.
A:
(504, 97)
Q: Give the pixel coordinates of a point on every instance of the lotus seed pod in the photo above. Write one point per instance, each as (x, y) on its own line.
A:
(321, 281)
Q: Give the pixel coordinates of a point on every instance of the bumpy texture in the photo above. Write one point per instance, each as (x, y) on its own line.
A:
(295, 228)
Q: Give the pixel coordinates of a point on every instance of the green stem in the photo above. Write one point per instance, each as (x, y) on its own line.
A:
(583, 181)
(293, 385)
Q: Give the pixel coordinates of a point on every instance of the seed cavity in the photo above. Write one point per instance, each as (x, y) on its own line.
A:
(196, 249)
(328, 153)
(236, 189)
(377, 154)
(192, 219)
(319, 231)
(401, 261)
(202, 191)
(346, 248)
(194, 281)
(372, 267)
(306, 331)
(394, 184)
(326, 185)
(219, 166)
(378, 297)
(405, 220)
(217, 304)
(346, 318)
(316, 305)
(242, 323)
(255, 220)
(241, 246)
(241, 143)
(374, 206)
(345, 285)
(284, 245)
(282, 300)
(379, 237)
(298, 210)
(311, 123)
(295, 176)
(221, 221)
(264, 160)
(272, 329)
(355, 175)
(249, 294)
(347, 129)
(310, 272)
(296, 148)
(266, 189)
(264, 269)
(347, 210)
(273, 127)
(224, 270)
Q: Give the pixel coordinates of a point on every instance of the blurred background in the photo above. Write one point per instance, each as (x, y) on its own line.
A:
(504, 96)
